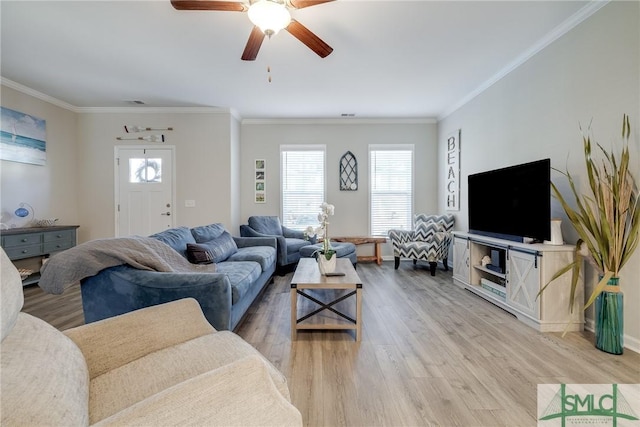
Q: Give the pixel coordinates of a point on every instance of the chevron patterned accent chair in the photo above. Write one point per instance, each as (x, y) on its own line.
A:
(428, 241)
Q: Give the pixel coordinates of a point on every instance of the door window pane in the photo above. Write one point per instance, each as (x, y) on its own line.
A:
(145, 170)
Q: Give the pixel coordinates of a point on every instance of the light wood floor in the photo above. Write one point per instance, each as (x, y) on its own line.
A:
(431, 354)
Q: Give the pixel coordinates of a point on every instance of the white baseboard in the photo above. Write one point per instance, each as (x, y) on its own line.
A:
(630, 343)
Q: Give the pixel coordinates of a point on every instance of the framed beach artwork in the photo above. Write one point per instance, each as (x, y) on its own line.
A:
(22, 138)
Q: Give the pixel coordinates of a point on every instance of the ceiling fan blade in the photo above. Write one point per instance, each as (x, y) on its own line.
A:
(312, 41)
(253, 44)
(226, 6)
(301, 4)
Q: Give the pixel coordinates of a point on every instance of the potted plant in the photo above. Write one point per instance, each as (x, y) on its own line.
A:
(607, 220)
(326, 256)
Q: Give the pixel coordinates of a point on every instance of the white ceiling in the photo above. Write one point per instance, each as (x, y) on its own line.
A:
(391, 59)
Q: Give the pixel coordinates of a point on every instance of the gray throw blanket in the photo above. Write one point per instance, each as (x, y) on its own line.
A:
(88, 259)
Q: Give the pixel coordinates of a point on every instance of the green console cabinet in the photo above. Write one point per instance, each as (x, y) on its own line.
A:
(32, 242)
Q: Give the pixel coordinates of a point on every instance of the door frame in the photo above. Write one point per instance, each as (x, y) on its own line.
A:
(116, 179)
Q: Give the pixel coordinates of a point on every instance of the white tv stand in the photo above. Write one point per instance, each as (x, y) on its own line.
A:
(528, 267)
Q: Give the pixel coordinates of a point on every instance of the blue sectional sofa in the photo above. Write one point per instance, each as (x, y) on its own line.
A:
(244, 265)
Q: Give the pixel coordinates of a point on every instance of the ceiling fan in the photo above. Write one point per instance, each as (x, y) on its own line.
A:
(268, 17)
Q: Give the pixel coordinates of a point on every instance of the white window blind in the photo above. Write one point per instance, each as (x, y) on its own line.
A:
(303, 184)
(391, 188)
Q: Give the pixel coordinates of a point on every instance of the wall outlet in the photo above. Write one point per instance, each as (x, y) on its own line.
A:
(189, 203)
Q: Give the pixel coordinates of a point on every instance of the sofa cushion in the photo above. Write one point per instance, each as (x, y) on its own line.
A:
(177, 238)
(45, 380)
(206, 233)
(11, 294)
(266, 225)
(263, 255)
(122, 387)
(199, 254)
(242, 275)
(294, 245)
(243, 392)
(222, 247)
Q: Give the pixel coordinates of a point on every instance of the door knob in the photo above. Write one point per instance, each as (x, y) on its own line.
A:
(166, 214)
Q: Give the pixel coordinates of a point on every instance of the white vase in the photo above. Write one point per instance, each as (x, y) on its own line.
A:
(556, 232)
(326, 265)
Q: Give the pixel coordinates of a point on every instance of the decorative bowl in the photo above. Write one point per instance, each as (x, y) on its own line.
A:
(45, 222)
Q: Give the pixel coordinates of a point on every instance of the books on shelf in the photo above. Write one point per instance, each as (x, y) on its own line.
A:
(494, 288)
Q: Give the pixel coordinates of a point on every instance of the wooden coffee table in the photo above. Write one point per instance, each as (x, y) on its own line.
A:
(307, 276)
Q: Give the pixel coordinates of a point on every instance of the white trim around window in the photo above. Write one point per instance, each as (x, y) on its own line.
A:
(303, 176)
(391, 187)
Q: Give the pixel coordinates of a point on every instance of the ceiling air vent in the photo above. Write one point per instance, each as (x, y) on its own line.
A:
(348, 115)
(135, 102)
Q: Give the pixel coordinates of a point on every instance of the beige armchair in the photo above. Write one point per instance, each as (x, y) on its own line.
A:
(162, 365)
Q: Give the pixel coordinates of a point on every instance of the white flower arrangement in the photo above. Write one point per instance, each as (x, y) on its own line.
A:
(326, 210)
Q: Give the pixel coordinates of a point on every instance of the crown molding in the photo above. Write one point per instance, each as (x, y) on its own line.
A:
(340, 121)
(152, 110)
(39, 95)
(566, 26)
(235, 114)
(142, 110)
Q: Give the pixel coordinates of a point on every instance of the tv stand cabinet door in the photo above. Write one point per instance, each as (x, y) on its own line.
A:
(461, 264)
(523, 282)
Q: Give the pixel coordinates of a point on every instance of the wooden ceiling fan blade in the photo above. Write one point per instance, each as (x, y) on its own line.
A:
(312, 41)
(253, 44)
(301, 4)
(225, 6)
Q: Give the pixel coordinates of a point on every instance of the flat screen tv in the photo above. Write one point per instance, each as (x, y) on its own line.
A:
(512, 203)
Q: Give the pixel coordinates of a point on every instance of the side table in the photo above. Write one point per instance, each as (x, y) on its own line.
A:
(362, 240)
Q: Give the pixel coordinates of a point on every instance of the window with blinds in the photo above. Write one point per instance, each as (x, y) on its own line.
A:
(302, 169)
(390, 188)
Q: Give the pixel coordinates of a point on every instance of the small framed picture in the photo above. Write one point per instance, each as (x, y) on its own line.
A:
(260, 176)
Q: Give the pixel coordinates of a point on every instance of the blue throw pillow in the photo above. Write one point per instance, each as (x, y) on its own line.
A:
(221, 247)
(177, 238)
(206, 233)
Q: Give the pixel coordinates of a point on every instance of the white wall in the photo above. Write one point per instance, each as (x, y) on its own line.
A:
(204, 166)
(592, 72)
(262, 140)
(235, 173)
(51, 189)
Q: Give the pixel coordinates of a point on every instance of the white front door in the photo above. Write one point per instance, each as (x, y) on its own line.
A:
(144, 190)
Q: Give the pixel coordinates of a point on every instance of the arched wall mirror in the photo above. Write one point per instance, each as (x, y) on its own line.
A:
(348, 172)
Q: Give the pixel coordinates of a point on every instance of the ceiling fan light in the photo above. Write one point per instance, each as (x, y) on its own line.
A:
(269, 16)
